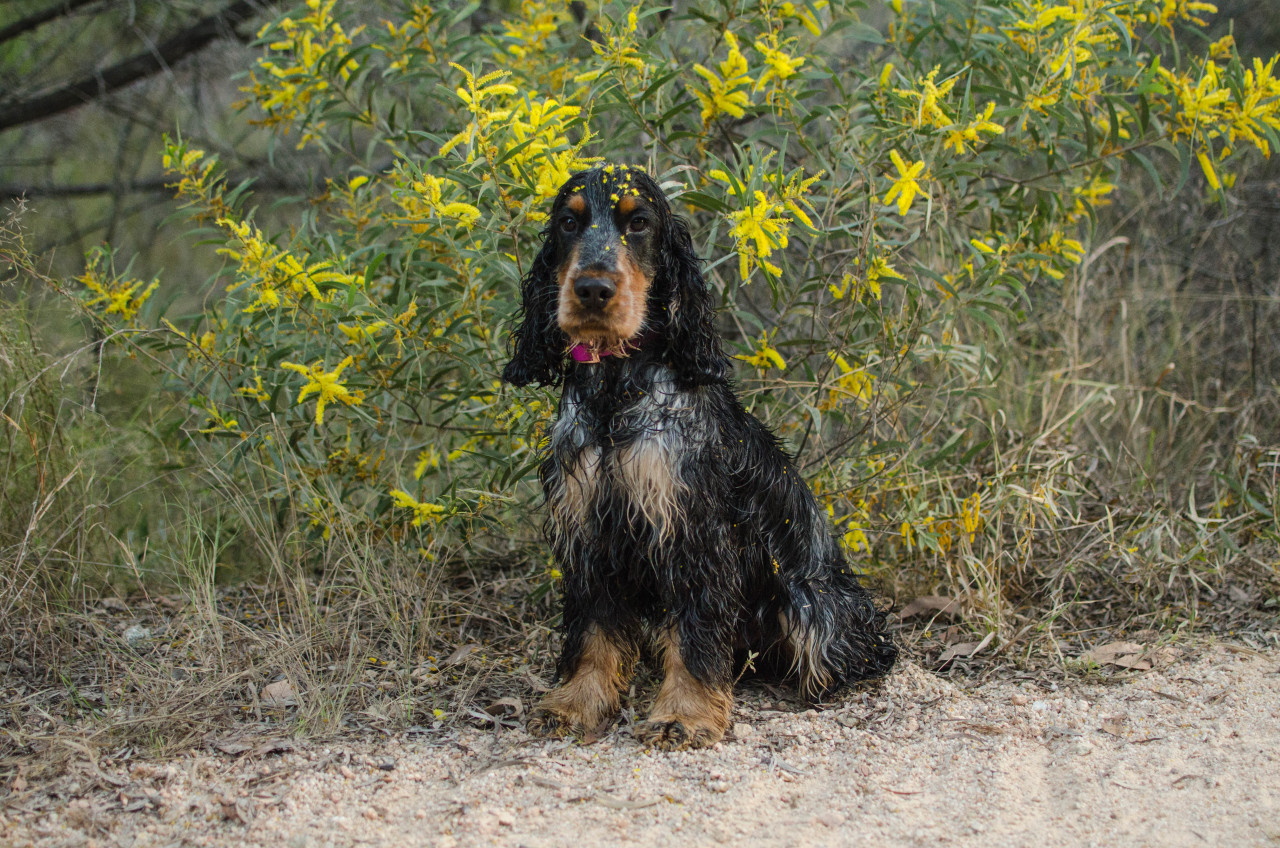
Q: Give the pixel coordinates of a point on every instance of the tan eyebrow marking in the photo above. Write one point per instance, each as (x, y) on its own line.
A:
(627, 204)
(577, 203)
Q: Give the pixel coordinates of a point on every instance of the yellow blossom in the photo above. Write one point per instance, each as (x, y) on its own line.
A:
(766, 356)
(618, 51)
(728, 92)
(850, 382)
(778, 66)
(906, 185)
(117, 297)
(297, 74)
(427, 459)
(327, 384)
(928, 101)
(970, 133)
(422, 511)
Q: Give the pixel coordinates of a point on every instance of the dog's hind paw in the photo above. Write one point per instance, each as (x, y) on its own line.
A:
(677, 734)
(551, 723)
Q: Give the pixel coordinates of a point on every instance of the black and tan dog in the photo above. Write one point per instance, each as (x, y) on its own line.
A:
(674, 514)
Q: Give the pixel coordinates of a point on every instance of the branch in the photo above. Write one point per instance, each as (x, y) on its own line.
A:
(39, 19)
(158, 185)
(128, 71)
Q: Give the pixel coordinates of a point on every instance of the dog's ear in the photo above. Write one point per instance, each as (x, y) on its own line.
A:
(537, 343)
(694, 350)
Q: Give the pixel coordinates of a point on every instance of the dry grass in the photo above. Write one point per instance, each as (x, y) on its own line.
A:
(152, 614)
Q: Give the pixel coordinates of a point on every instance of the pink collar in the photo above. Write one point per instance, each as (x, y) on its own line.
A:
(589, 354)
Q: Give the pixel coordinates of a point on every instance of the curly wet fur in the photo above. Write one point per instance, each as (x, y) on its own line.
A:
(674, 514)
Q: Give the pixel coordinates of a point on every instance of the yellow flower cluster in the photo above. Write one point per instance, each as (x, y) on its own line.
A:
(122, 298)
(533, 132)
(618, 51)
(765, 356)
(970, 133)
(424, 201)
(409, 37)
(801, 13)
(927, 110)
(906, 185)
(277, 277)
(1172, 11)
(285, 86)
(422, 511)
(946, 531)
(328, 385)
(766, 221)
(779, 66)
(539, 149)
(850, 383)
(198, 183)
(1212, 111)
(853, 288)
(530, 32)
(728, 93)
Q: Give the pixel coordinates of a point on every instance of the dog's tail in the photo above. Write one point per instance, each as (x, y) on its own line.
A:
(833, 630)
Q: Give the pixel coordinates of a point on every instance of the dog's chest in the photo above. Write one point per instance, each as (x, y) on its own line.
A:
(624, 457)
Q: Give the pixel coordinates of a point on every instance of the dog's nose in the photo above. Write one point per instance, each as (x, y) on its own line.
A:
(594, 291)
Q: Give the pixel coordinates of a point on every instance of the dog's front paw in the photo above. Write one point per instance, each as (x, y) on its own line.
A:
(678, 733)
(547, 723)
(588, 722)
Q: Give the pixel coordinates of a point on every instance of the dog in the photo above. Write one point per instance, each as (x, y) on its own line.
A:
(677, 520)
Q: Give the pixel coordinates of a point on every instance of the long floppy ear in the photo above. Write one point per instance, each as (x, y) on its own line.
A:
(694, 350)
(537, 343)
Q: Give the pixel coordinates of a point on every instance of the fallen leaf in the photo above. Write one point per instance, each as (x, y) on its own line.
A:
(959, 649)
(460, 654)
(273, 746)
(1114, 725)
(966, 649)
(1120, 654)
(231, 746)
(940, 604)
(1137, 663)
(509, 706)
(279, 694)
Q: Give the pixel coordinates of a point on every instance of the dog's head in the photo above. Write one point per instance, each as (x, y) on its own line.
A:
(616, 274)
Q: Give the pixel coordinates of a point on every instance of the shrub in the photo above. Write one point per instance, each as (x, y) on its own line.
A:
(894, 203)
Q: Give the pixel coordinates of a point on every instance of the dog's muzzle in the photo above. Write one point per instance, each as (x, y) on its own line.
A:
(594, 292)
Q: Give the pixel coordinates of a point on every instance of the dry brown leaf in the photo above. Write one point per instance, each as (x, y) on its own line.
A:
(460, 654)
(966, 649)
(1116, 653)
(1114, 725)
(1137, 663)
(279, 694)
(273, 746)
(231, 746)
(940, 604)
(509, 706)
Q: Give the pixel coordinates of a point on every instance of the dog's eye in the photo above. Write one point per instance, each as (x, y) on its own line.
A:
(638, 224)
(568, 224)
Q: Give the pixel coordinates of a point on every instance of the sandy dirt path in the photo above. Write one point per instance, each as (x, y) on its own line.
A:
(1188, 755)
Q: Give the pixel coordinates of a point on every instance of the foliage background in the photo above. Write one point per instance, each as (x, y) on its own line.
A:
(995, 272)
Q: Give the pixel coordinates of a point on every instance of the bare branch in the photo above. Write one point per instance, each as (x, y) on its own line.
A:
(158, 185)
(39, 19)
(130, 70)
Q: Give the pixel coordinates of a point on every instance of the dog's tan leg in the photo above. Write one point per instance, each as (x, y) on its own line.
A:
(590, 699)
(687, 712)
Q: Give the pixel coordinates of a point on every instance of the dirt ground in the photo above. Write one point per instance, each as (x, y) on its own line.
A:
(1186, 754)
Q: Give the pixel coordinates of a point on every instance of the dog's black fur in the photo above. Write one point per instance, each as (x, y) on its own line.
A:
(674, 513)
